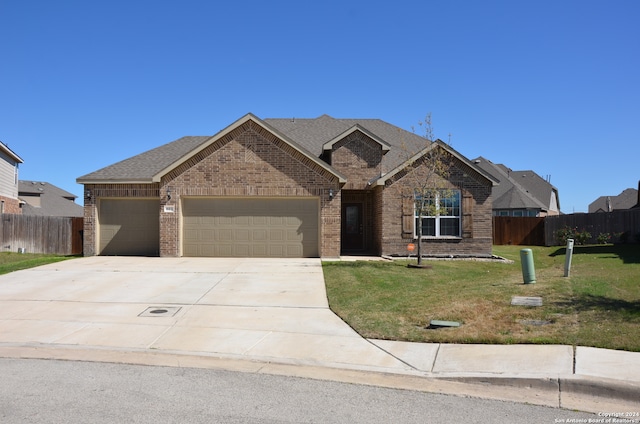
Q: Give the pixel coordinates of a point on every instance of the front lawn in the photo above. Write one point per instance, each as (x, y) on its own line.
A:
(11, 261)
(598, 305)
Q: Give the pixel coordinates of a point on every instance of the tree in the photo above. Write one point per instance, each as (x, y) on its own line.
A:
(428, 172)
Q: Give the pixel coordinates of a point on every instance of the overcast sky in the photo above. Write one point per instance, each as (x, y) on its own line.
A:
(551, 86)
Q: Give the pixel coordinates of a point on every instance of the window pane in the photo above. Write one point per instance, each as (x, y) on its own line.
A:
(428, 226)
(426, 207)
(450, 227)
(450, 205)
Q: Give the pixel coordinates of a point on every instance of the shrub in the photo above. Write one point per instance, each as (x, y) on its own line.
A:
(564, 234)
(603, 238)
(582, 237)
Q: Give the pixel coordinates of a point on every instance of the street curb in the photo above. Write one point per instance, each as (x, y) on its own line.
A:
(583, 393)
(601, 388)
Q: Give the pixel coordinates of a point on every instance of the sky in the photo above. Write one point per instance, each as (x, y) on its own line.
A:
(551, 86)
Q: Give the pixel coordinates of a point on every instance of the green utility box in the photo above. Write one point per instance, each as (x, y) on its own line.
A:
(528, 270)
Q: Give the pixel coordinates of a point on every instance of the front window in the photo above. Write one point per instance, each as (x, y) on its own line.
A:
(440, 213)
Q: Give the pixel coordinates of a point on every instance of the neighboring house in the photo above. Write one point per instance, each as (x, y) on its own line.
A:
(520, 193)
(628, 199)
(9, 162)
(282, 188)
(44, 199)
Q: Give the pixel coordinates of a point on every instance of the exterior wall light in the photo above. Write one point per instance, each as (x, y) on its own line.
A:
(168, 193)
(330, 193)
(87, 194)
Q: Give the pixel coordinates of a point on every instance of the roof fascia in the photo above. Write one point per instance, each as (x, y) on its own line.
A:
(10, 152)
(382, 180)
(357, 127)
(112, 181)
(246, 118)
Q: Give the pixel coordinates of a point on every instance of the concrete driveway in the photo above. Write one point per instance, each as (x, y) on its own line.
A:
(273, 315)
(262, 309)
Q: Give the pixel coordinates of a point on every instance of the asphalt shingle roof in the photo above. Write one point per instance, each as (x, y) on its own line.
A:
(517, 189)
(309, 134)
(312, 134)
(144, 166)
(53, 200)
(625, 200)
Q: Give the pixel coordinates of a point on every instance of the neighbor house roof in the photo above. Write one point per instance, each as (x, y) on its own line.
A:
(44, 199)
(625, 200)
(518, 189)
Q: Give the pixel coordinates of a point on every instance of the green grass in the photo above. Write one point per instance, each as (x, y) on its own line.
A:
(598, 305)
(10, 261)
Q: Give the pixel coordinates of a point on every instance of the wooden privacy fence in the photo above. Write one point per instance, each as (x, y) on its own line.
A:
(518, 230)
(41, 234)
(623, 226)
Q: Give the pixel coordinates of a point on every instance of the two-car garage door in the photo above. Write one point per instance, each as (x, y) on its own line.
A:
(250, 227)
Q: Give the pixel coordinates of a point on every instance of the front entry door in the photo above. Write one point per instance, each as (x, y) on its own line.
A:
(352, 228)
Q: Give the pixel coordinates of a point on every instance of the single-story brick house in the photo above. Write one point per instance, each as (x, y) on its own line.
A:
(319, 187)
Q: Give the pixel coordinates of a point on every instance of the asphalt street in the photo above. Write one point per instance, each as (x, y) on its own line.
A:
(49, 391)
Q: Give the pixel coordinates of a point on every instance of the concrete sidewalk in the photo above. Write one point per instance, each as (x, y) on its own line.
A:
(272, 315)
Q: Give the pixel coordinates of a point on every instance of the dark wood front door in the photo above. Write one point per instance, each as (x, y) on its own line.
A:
(352, 227)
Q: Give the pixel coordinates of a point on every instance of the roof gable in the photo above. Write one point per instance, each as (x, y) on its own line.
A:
(151, 166)
(315, 133)
(436, 144)
(356, 128)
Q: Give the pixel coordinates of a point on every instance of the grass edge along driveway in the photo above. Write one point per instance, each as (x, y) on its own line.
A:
(598, 305)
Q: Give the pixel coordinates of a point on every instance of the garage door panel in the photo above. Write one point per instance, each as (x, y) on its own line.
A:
(276, 235)
(241, 235)
(242, 227)
(259, 250)
(260, 220)
(259, 235)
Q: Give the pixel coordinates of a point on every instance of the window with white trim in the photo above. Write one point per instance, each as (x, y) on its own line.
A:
(442, 216)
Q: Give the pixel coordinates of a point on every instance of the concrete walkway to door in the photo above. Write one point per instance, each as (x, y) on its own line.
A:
(258, 309)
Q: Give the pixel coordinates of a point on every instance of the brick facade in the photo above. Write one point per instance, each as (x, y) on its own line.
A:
(10, 205)
(359, 158)
(251, 161)
(94, 192)
(478, 242)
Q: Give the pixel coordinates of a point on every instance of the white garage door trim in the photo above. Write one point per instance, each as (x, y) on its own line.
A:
(250, 226)
(128, 227)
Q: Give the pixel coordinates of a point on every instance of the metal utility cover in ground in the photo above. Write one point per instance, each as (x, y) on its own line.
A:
(526, 301)
(434, 323)
(160, 311)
